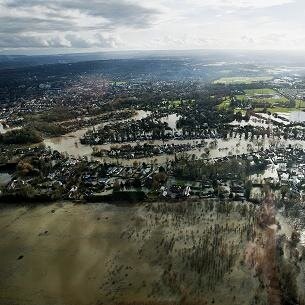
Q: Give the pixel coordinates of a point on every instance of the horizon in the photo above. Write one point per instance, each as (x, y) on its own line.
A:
(131, 51)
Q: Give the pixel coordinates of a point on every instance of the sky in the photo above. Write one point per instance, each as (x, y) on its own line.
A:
(65, 26)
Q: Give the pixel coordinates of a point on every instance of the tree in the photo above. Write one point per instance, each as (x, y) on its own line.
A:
(24, 168)
(116, 186)
(248, 189)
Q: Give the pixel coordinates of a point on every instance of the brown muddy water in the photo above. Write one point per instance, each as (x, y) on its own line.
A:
(70, 143)
(59, 254)
(66, 254)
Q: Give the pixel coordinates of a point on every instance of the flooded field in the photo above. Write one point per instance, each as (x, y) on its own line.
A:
(64, 254)
(294, 116)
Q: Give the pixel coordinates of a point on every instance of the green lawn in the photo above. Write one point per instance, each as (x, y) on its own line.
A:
(278, 109)
(224, 105)
(175, 104)
(281, 109)
(242, 80)
(300, 104)
(253, 95)
(260, 91)
(118, 83)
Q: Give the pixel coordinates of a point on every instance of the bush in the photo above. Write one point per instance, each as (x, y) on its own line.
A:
(21, 136)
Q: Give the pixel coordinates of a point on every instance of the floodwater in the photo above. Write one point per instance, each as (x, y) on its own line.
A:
(220, 149)
(70, 143)
(66, 254)
(217, 148)
(171, 120)
(59, 254)
(297, 116)
(293, 116)
(4, 130)
(5, 178)
(253, 121)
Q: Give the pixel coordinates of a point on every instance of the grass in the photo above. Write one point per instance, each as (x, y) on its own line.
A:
(281, 109)
(260, 91)
(177, 103)
(299, 104)
(224, 105)
(275, 101)
(243, 112)
(118, 83)
(278, 109)
(242, 80)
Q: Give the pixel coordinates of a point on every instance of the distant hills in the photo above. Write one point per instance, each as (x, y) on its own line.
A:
(203, 56)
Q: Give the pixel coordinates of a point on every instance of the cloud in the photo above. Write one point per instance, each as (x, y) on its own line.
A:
(151, 24)
(228, 4)
(69, 23)
(52, 15)
(98, 40)
(72, 40)
(246, 3)
(33, 41)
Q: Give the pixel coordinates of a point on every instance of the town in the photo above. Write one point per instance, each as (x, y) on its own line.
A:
(223, 157)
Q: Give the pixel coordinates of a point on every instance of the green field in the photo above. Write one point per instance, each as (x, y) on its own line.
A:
(118, 83)
(178, 103)
(224, 105)
(300, 104)
(175, 104)
(242, 80)
(281, 109)
(260, 91)
(256, 96)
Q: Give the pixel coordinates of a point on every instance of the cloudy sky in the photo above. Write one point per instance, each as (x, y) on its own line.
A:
(52, 26)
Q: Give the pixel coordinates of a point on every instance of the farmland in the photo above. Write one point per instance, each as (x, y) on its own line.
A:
(242, 80)
(263, 96)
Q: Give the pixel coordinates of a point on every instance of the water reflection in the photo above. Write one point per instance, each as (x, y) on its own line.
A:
(171, 120)
(5, 178)
(293, 116)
